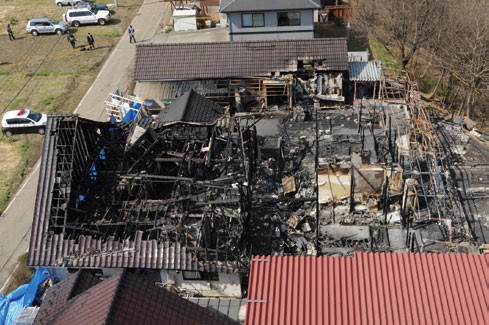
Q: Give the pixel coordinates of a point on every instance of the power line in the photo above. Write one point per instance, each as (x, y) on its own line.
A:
(30, 78)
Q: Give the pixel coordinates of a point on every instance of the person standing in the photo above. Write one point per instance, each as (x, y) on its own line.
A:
(91, 41)
(131, 34)
(10, 33)
(71, 38)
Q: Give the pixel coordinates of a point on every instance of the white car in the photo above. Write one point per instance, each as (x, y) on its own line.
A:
(38, 26)
(23, 121)
(77, 17)
(61, 3)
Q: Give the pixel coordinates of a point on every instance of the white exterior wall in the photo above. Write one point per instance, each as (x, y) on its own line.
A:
(229, 285)
(62, 273)
(271, 30)
(184, 20)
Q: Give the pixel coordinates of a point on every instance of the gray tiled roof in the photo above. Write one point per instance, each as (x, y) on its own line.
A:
(265, 5)
(191, 108)
(189, 61)
(124, 298)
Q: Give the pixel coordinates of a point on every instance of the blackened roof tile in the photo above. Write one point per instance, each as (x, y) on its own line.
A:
(191, 108)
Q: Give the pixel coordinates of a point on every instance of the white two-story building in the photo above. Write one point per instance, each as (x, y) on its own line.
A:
(255, 20)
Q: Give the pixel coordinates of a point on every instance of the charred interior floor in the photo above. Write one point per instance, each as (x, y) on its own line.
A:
(382, 184)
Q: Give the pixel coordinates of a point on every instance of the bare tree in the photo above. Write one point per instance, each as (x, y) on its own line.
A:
(463, 49)
(406, 25)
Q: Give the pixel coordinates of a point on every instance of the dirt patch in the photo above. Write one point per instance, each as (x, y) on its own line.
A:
(10, 159)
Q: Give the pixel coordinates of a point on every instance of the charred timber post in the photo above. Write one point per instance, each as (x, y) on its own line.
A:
(172, 178)
(386, 189)
(352, 190)
(316, 161)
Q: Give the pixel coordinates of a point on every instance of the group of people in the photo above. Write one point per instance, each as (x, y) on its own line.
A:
(72, 40)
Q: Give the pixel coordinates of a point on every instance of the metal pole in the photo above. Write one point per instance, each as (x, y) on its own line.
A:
(316, 104)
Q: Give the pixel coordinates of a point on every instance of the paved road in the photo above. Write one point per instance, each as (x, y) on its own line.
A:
(15, 222)
(117, 69)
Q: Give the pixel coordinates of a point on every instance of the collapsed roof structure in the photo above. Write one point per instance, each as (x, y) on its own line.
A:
(169, 192)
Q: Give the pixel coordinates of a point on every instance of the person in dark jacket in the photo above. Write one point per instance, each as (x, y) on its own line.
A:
(71, 38)
(131, 34)
(91, 41)
(10, 33)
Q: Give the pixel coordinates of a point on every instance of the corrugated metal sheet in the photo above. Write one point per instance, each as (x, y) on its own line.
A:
(369, 288)
(365, 71)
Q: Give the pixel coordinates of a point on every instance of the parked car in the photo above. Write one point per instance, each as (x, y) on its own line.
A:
(77, 17)
(91, 6)
(61, 3)
(23, 121)
(37, 26)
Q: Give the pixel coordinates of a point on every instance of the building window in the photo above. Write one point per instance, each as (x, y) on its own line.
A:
(253, 20)
(289, 18)
(201, 276)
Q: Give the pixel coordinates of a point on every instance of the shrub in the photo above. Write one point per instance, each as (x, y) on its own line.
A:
(339, 21)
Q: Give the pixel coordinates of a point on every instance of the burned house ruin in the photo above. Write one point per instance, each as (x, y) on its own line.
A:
(244, 75)
(168, 192)
(254, 153)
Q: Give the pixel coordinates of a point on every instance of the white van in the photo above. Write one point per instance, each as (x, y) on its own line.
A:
(82, 16)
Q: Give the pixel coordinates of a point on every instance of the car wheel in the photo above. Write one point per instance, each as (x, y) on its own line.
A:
(41, 131)
(8, 134)
(101, 21)
(60, 4)
(76, 23)
(59, 32)
(34, 33)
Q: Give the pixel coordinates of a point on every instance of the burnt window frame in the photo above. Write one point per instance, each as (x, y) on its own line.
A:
(202, 276)
(252, 19)
(288, 12)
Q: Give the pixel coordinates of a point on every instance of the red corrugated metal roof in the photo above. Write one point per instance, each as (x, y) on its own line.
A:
(369, 288)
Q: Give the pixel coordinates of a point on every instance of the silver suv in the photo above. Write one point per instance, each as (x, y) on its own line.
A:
(77, 17)
(37, 26)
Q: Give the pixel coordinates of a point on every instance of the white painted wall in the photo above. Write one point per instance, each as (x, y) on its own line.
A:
(271, 30)
(278, 36)
(62, 273)
(229, 285)
(184, 20)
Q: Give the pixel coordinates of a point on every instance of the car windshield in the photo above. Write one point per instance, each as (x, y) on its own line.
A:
(35, 116)
(94, 11)
(54, 21)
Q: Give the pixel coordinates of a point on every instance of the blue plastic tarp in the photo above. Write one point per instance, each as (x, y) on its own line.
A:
(12, 304)
(93, 173)
(131, 115)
